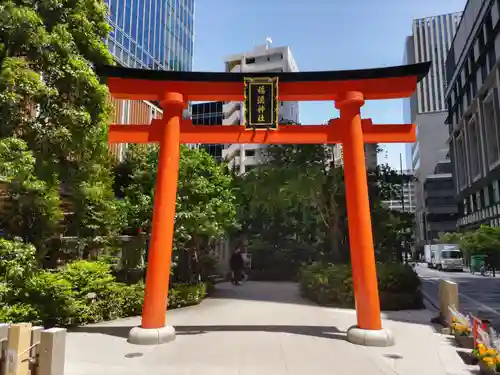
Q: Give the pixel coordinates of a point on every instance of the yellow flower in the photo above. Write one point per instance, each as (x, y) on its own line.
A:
(488, 359)
(492, 352)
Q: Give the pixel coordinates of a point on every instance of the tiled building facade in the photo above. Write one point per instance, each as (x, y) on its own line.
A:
(473, 119)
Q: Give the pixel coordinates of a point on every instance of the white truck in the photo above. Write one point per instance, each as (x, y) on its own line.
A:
(428, 255)
(446, 257)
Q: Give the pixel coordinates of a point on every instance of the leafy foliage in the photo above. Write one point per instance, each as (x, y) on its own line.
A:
(293, 210)
(331, 285)
(81, 292)
(484, 240)
(51, 99)
(17, 261)
(31, 207)
(206, 201)
(205, 209)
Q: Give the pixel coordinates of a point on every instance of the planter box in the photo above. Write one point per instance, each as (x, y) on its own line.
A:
(485, 370)
(466, 342)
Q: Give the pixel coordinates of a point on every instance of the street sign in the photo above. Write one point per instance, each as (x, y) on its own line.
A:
(261, 103)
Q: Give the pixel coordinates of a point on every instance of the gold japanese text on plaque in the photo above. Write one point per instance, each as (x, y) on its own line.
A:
(261, 103)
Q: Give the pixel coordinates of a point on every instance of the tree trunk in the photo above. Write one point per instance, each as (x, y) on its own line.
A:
(334, 241)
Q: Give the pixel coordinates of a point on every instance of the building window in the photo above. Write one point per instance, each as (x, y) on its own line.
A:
(468, 90)
(461, 167)
(484, 69)
(486, 196)
(496, 192)
(491, 129)
(250, 152)
(473, 81)
(474, 147)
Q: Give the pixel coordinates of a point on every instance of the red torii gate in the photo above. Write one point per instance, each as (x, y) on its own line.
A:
(348, 89)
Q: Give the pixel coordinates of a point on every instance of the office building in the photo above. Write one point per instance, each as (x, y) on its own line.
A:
(152, 34)
(472, 70)
(430, 41)
(209, 113)
(371, 151)
(148, 34)
(406, 201)
(261, 59)
(441, 207)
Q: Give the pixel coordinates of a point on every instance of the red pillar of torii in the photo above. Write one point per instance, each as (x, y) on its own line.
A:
(348, 89)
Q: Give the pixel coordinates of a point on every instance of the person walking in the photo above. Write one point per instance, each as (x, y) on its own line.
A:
(490, 264)
(236, 264)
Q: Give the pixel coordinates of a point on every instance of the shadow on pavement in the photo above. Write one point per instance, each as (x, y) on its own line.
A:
(409, 316)
(467, 357)
(328, 332)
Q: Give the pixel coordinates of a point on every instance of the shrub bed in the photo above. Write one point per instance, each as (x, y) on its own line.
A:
(331, 285)
(79, 293)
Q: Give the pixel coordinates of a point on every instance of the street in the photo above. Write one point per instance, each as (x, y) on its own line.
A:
(479, 295)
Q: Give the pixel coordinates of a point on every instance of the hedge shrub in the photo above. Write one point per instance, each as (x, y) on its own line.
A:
(331, 285)
(81, 292)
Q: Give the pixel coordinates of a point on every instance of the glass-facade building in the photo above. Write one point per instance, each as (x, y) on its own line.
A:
(209, 113)
(152, 34)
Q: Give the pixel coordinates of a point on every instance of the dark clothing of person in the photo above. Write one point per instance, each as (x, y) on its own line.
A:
(237, 277)
(237, 264)
(490, 264)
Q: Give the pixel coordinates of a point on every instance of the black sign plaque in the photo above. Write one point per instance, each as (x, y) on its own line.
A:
(261, 103)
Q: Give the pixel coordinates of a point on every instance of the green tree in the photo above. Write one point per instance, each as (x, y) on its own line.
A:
(134, 185)
(293, 208)
(51, 98)
(31, 207)
(485, 240)
(454, 238)
(206, 203)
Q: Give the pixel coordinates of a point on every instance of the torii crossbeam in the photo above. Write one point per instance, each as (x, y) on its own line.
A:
(348, 89)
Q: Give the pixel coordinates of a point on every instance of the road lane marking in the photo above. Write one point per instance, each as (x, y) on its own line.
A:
(483, 306)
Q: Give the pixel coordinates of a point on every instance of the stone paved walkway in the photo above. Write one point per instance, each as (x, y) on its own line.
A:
(264, 329)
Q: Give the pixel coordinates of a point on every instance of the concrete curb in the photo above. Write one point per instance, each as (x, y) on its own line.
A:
(432, 301)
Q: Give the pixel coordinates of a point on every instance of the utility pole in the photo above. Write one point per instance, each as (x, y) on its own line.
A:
(402, 183)
(403, 204)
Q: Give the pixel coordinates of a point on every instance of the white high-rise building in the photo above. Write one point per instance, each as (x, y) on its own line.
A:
(406, 202)
(427, 108)
(430, 41)
(261, 59)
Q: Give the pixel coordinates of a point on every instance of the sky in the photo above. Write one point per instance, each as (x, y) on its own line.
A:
(322, 35)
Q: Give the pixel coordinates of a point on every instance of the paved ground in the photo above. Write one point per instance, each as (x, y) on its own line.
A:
(264, 329)
(478, 294)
